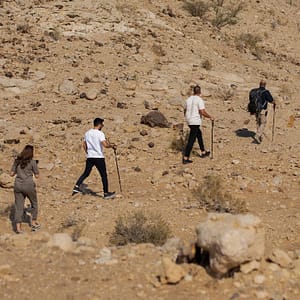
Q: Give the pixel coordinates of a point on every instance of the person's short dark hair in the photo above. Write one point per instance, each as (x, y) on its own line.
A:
(98, 121)
(197, 90)
(262, 83)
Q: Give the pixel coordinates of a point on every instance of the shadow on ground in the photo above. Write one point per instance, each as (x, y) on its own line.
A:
(244, 132)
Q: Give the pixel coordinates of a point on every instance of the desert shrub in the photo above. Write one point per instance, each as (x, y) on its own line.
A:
(222, 14)
(206, 64)
(226, 15)
(196, 8)
(75, 225)
(23, 28)
(213, 198)
(250, 41)
(179, 142)
(6, 211)
(158, 50)
(138, 228)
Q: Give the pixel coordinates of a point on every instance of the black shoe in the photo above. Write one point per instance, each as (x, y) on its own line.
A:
(186, 161)
(76, 190)
(204, 154)
(109, 195)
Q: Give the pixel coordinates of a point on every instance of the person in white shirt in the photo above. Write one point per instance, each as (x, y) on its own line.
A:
(194, 110)
(94, 141)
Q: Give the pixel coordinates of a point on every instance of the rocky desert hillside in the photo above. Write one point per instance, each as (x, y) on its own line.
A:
(63, 63)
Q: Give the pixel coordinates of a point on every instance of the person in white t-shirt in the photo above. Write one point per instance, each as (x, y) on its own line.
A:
(194, 110)
(94, 141)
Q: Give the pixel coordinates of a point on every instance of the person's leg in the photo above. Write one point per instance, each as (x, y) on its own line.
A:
(19, 208)
(261, 123)
(191, 141)
(200, 139)
(32, 196)
(88, 168)
(101, 167)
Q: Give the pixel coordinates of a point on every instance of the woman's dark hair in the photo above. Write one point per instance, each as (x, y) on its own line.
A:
(25, 156)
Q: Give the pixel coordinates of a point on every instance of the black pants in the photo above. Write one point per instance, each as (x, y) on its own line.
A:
(195, 132)
(101, 167)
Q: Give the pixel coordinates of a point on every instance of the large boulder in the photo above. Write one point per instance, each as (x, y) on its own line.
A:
(231, 240)
(155, 118)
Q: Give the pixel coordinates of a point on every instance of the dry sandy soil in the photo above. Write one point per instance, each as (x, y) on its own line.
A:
(129, 56)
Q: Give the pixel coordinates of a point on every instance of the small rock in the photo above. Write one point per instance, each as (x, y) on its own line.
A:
(5, 269)
(6, 181)
(143, 132)
(62, 241)
(281, 258)
(249, 267)
(259, 279)
(172, 273)
(151, 145)
(91, 94)
(155, 118)
(68, 87)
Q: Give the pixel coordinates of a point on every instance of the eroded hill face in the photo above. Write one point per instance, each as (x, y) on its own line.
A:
(63, 63)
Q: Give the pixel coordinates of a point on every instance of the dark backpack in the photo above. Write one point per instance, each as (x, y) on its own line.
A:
(256, 101)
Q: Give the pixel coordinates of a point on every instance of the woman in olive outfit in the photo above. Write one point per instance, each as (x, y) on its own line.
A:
(25, 167)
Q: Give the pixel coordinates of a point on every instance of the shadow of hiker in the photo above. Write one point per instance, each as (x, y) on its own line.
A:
(244, 132)
(86, 191)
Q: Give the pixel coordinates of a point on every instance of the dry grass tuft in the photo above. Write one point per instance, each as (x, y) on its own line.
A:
(139, 228)
(213, 198)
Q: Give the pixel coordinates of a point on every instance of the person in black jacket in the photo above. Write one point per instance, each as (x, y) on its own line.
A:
(261, 115)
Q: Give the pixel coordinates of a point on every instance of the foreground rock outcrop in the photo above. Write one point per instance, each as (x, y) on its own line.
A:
(231, 240)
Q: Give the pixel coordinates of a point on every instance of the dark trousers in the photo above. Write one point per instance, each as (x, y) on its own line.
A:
(195, 132)
(101, 167)
(21, 191)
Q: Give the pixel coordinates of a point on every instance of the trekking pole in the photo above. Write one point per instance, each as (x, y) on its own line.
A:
(116, 159)
(212, 140)
(273, 127)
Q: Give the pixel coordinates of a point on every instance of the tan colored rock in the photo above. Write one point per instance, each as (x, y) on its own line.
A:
(249, 267)
(91, 94)
(5, 269)
(6, 181)
(231, 240)
(281, 258)
(68, 87)
(62, 241)
(172, 273)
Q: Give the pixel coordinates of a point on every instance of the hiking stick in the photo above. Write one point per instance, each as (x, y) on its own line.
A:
(273, 127)
(212, 140)
(116, 159)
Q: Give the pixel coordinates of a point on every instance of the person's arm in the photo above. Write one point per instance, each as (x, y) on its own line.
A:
(107, 144)
(204, 113)
(35, 169)
(13, 170)
(84, 145)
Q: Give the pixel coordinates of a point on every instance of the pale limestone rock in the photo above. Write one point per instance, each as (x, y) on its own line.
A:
(67, 87)
(6, 181)
(296, 269)
(5, 269)
(173, 273)
(62, 241)
(249, 267)
(91, 94)
(231, 240)
(281, 258)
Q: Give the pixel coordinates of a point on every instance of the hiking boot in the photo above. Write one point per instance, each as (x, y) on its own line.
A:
(35, 227)
(76, 190)
(257, 139)
(109, 195)
(186, 161)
